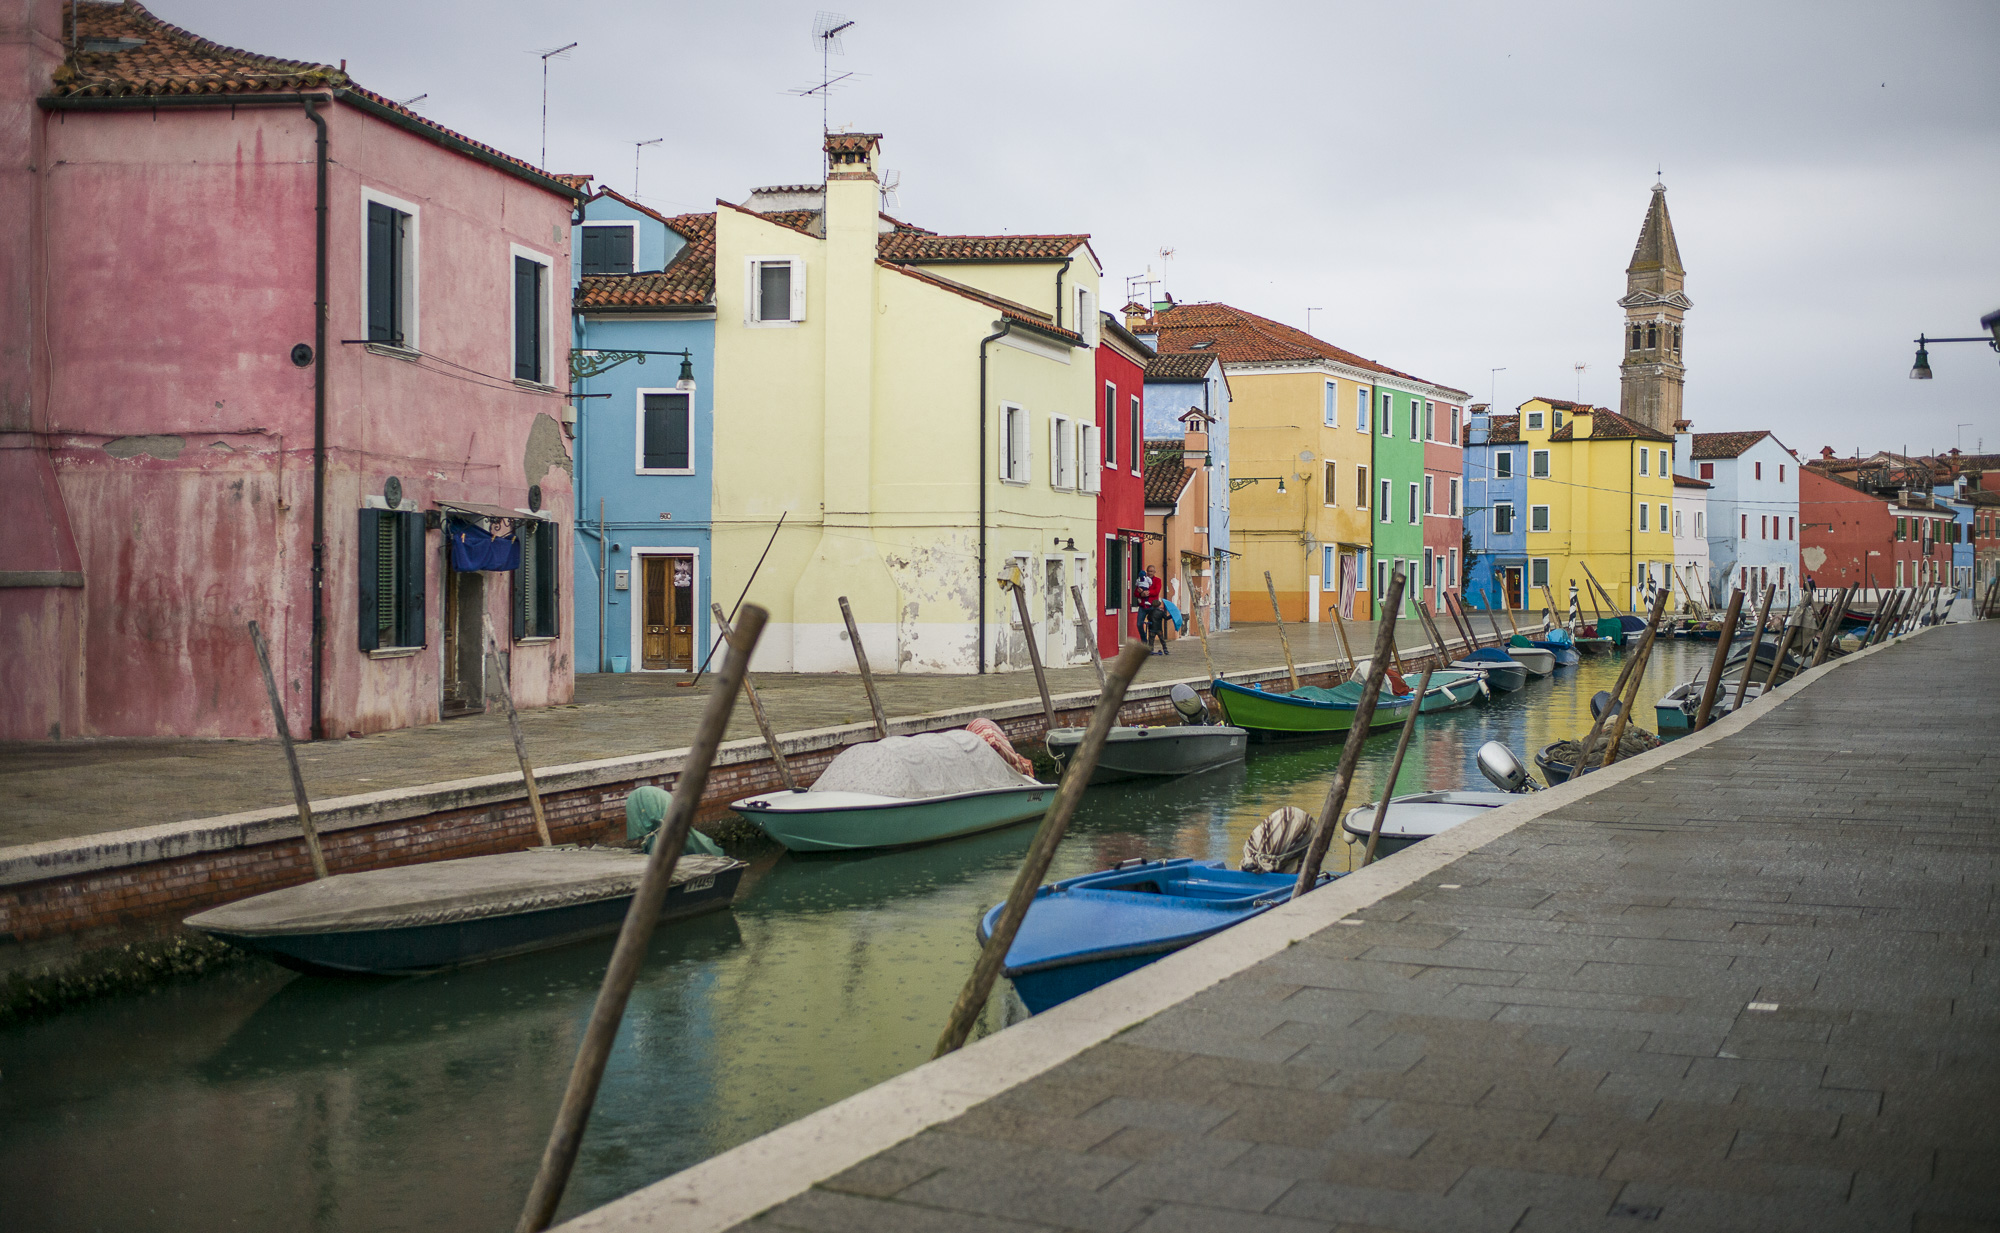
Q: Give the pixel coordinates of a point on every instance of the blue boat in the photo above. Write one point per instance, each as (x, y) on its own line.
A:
(1557, 644)
(1087, 931)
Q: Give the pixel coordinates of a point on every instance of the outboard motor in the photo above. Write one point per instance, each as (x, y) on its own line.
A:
(1498, 763)
(1193, 710)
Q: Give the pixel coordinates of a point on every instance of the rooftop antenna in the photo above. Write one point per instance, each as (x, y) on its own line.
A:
(636, 147)
(1134, 282)
(1581, 368)
(1166, 255)
(827, 28)
(411, 102)
(1310, 310)
(1493, 388)
(891, 181)
(552, 53)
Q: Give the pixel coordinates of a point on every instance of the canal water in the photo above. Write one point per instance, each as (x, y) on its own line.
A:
(260, 1099)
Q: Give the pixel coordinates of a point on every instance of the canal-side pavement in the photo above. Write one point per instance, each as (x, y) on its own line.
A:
(67, 790)
(1745, 981)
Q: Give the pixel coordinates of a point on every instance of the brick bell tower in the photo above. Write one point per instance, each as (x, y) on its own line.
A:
(1651, 377)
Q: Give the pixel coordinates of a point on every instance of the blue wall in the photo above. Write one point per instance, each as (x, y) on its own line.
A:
(1484, 586)
(1164, 403)
(607, 458)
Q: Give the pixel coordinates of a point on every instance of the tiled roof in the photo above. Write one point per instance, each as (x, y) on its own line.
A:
(1504, 430)
(1008, 309)
(912, 245)
(1608, 425)
(1240, 337)
(1725, 444)
(1559, 404)
(124, 51)
(1682, 481)
(580, 181)
(1187, 366)
(1167, 475)
(852, 143)
(688, 279)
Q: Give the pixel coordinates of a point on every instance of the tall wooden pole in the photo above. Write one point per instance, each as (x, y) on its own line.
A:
(1756, 644)
(1076, 777)
(637, 931)
(1597, 727)
(1357, 736)
(1829, 634)
(1034, 654)
(504, 677)
(1197, 611)
(1396, 768)
(1794, 628)
(291, 755)
(1638, 680)
(1291, 668)
(1340, 628)
(868, 678)
(1714, 678)
(1085, 619)
(757, 709)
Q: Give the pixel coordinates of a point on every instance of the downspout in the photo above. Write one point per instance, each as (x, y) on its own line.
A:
(1006, 327)
(319, 424)
(1059, 298)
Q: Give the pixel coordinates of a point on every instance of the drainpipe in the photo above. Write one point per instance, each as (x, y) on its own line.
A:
(1006, 327)
(1059, 277)
(319, 423)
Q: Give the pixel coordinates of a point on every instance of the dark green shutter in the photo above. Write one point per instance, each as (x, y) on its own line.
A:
(523, 577)
(385, 274)
(545, 548)
(527, 320)
(365, 544)
(412, 562)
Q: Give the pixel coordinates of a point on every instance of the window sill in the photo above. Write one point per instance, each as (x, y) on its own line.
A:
(537, 641)
(394, 652)
(1013, 483)
(663, 471)
(407, 354)
(536, 386)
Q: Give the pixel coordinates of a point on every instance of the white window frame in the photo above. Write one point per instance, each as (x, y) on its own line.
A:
(1385, 497)
(1329, 568)
(1534, 582)
(1330, 480)
(1538, 464)
(639, 466)
(1534, 421)
(1062, 464)
(752, 289)
(1452, 580)
(548, 339)
(1364, 398)
(1500, 456)
(1111, 423)
(1452, 489)
(1386, 414)
(1430, 420)
(1414, 514)
(1137, 410)
(1644, 459)
(1089, 470)
(412, 264)
(1645, 516)
(630, 226)
(1543, 510)
(1430, 494)
(1361, 563)
(1497, 507)
(1700, 532)
(1663, 515)
(1680, 525)
(1361, 482)
(1330, 408)
(1665, 465)
(1013, 429)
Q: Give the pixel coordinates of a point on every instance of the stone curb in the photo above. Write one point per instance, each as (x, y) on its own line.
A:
(758, 1175)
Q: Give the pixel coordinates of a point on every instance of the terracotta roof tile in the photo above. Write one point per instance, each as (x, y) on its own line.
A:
(1607, 425)
(912, 245)
(1240, 337)
(1504, 430)
(1187, 366)
(688, 279)
(125, 51)
(1682, 481)
(1725, 444)
(1167, 474)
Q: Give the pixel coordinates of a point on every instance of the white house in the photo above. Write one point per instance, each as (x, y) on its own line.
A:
(1753, 511)
(1691, 563)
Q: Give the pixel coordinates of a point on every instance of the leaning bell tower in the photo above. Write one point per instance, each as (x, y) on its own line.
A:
(1651, 377)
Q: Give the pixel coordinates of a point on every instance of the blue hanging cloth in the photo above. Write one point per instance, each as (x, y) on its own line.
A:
(473, 549)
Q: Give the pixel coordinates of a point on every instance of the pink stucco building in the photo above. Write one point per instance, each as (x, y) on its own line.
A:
(265, 339)
(1444, 503)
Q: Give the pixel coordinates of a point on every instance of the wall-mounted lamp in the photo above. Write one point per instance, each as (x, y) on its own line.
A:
(1921, 370)
(686, 383)
(1067, 545)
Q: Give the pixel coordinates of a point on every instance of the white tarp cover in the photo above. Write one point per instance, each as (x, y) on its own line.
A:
(914, 767)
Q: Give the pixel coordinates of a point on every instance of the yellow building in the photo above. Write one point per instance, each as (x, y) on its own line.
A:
(1599, 494)
(920, 410)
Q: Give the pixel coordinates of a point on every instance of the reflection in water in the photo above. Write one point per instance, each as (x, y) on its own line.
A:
(260, 1099)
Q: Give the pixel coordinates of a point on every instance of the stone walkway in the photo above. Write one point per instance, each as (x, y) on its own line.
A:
(79, 788)
(1756, 991)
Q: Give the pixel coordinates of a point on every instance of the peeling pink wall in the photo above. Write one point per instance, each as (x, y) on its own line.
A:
(179, 250)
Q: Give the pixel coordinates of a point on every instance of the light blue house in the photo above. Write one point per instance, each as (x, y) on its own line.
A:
(644, 367)
(1952, 497)
(1174, 386)
(1496, 493)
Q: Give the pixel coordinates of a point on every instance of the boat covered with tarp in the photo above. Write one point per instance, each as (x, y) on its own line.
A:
(1503, 671)
(424, 918)
(1557, 643)
(1086, 931)
(898, 792)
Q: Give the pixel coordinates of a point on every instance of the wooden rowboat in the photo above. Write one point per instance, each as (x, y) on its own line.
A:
(1313, 711)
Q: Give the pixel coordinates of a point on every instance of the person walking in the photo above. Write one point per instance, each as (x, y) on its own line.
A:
(1152, 614)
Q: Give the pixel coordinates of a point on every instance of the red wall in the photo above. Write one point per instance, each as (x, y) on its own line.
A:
(1848, 538)
(1445, 462)
(1121, 505)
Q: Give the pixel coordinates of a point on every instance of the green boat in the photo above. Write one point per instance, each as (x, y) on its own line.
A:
(1612, 628)
(1313, 711)
(853, 821)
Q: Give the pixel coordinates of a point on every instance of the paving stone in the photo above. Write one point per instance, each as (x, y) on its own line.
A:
(1177, 1218)
(1390, 1209)
(1024, 1196)
(1209, 1187)
(824, 1211)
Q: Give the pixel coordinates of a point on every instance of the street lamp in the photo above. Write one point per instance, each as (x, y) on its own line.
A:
(1921, 370)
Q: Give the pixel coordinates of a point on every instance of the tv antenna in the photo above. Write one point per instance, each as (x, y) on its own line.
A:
(891, 181)
(1581, 368)
(636, 147)
(552, 53)
(411, 102)
(827, 29)
(1310, 310)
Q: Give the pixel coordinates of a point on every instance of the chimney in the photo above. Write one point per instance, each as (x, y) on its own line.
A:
(1138, 318)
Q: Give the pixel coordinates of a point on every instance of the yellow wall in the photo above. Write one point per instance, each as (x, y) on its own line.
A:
(1274, 418)
(861, 424)
(1593, 491)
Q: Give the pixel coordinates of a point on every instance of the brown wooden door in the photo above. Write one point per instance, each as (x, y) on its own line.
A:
(668, 585)
(1513, 588)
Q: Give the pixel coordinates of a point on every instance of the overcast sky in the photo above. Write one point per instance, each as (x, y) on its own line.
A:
(1458, 185)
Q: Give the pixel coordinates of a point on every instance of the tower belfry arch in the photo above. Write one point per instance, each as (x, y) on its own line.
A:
(1653, 372)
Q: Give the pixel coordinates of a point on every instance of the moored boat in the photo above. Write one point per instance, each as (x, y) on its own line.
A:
(1155, 753)
(1501, 671)
(1675, 710)
(1539, 661)
(1418, 816)
(1314, 711)
(1086, 931)
(423, 918)
(1613, 628)
(1557, 644)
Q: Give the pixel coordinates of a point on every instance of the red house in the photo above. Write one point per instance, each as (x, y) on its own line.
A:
(1852, 533)
(1121, 496)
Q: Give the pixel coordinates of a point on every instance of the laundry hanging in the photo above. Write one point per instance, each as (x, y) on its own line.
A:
(473, 549)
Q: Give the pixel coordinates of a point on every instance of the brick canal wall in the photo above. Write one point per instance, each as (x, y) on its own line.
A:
(59, 900)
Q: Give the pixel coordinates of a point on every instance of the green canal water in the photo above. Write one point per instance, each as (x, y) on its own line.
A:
(259, 1099)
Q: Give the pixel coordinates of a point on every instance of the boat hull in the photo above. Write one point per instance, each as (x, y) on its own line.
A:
(1268, 716)
(1505, 677)
(851, 822)
(1538, 661)
(1155, 753)
(1418, 816)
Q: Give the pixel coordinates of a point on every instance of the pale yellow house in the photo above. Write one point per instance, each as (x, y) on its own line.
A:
(1599, 496)
(919, 410)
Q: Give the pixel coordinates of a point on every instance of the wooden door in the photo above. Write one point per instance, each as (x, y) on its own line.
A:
(1514, 587)
(669, 614)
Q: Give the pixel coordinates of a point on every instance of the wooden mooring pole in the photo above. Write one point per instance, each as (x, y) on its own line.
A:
(1085, 619)
(1194, 611)
(559, 1156)
(1291, 669)
(1076, 776)
(1756, 644)
(1020, 590)
(867, 677)
(1395, 767)
(1631, 698)
(291, 755)
(757, 709)
(1714, 678)
(504, 678)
